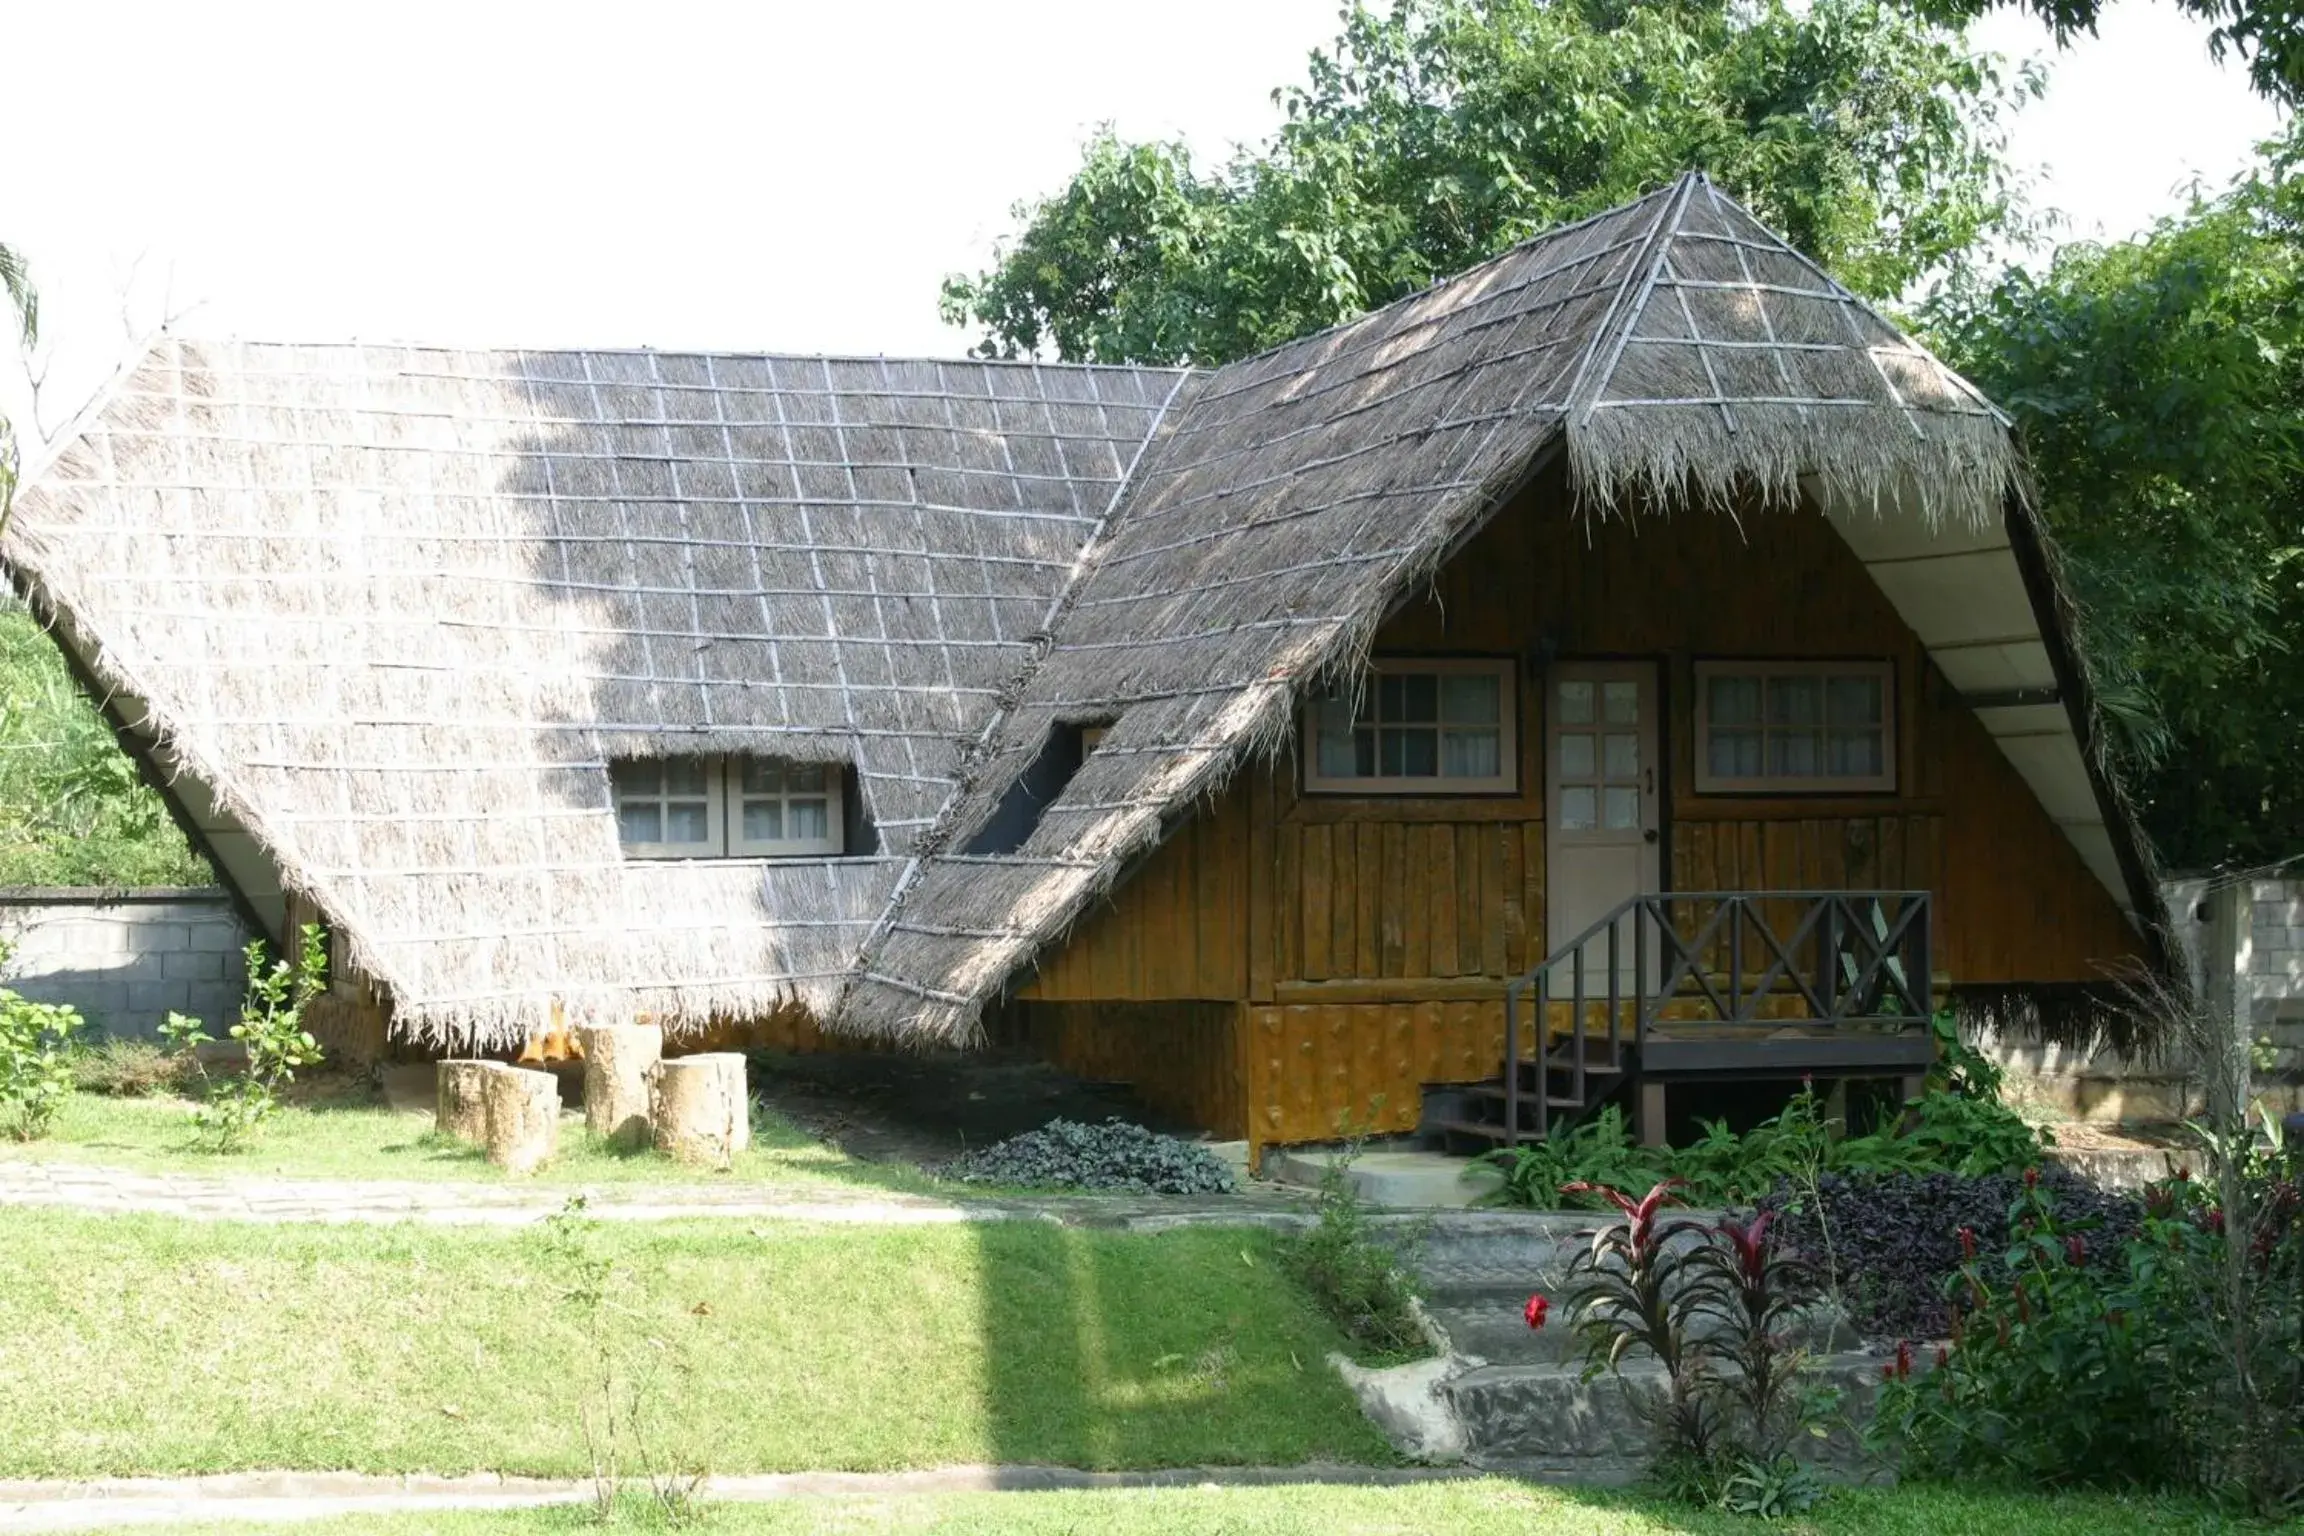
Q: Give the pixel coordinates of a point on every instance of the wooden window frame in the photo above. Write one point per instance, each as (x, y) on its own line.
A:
(1708, 783)
(723, 800)
(715, 833)
(828, 846)
(1505, 669)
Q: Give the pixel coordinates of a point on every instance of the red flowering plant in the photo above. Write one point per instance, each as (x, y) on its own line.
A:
(1638, 1287)
(2058, 1370)
(1760, 1289)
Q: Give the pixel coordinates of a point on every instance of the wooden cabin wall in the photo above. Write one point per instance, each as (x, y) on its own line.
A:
(1368, 938)
(352, 1018)
(1182, 1058)
(1176, 928)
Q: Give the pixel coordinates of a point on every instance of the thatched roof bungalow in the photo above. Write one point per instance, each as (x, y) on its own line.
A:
(928, 667)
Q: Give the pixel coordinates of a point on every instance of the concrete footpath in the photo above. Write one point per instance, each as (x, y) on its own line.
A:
(97, 1190)
(286, 1497)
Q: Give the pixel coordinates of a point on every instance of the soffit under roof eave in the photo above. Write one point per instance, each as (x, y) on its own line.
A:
(1959, 589)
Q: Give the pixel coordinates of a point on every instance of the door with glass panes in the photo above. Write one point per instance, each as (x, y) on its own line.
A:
(1603, 811)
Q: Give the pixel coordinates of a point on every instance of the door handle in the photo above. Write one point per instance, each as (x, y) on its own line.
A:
(1648, 836)
(1648, 780)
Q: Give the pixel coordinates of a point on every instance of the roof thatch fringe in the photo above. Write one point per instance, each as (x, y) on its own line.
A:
(1684, 456)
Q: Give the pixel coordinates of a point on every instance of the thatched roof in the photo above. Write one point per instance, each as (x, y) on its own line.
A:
(396, 608)
(391, 610)
(1674, 348)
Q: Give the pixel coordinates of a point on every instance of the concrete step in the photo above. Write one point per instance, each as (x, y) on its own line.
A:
(1391, 1179)
(1548, 1419)
(1491, 1325)
(1498, 1335)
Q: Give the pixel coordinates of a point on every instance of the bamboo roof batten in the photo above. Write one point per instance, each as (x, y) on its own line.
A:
(400, 607)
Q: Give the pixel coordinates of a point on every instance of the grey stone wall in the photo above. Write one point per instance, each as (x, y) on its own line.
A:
(2108, 1087)
(2273, 965)
(127, 958)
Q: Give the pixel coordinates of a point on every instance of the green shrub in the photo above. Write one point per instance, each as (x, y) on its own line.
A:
(126, 1069)
(1360, 1279)
(73, 809)
(36, 1042)
(271, 1033)
(1959, 1125)
(2065, 1370)
(1600, 1153)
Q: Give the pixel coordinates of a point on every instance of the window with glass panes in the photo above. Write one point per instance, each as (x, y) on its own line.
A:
(1795, 726)
(1423, 727)
(725, 807)
(782, 807)
(1598, 769)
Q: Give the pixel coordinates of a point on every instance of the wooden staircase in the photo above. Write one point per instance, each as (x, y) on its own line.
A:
(1569, 1087)
(1744, 983)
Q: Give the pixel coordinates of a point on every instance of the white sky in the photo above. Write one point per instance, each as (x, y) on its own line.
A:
(779, 174)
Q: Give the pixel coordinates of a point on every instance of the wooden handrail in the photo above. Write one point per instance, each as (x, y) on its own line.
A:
(1867, 966)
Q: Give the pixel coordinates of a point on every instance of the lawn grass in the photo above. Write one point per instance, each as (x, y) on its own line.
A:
(156, 1345)
(352, 1135)
(1483, 1507)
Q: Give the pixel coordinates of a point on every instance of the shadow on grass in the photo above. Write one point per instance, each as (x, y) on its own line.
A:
(1190, 1348)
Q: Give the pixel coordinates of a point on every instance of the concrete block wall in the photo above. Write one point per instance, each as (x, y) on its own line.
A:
(2273, 967)
(127, 958)
(2107, 1087)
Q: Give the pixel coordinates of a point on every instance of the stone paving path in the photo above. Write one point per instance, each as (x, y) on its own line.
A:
(115, 1191)
(283, 1497)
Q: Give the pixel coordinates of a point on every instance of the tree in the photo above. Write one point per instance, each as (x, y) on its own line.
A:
(1440, 132)
(2268, 36)
(24, 301)
(2159, 384)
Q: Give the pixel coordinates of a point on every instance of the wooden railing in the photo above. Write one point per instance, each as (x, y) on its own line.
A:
(1719, 958)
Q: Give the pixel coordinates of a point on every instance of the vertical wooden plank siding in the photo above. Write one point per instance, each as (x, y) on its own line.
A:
(1366, 939)
(1178, 929)
(1182, 1058)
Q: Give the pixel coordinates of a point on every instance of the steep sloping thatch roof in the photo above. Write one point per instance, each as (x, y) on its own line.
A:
(1673, 348)
(395, 610)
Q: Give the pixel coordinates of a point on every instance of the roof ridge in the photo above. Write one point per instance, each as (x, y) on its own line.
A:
(352, 344)
(1585, 390)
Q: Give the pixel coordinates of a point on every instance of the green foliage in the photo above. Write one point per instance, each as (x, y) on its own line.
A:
(2159, 384)
(72, 809)
(36, 1049)
(2065, 1371)
(1360, 1279)
(1970, 1136)
(2270, 37)
(1439, 132)
(1945, 1128)
(271, 1035)
(126, 1069)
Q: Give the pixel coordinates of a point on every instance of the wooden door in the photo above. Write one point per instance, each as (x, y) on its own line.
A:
(1602, 742)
